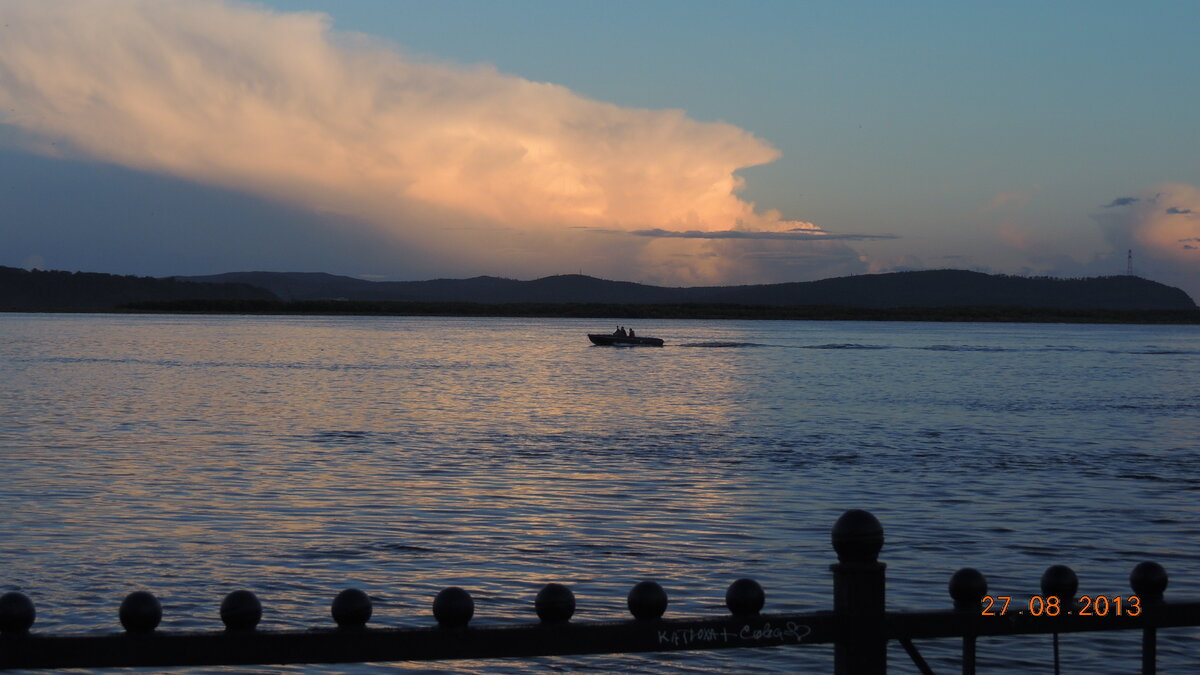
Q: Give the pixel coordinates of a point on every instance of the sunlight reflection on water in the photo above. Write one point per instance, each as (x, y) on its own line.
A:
(298, 456)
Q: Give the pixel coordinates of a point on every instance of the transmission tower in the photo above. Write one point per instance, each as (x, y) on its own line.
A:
(1129, 264)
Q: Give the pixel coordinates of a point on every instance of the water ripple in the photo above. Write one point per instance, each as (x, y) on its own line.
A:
(297, 457)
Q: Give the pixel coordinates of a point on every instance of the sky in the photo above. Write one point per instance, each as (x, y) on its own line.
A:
(674, 142)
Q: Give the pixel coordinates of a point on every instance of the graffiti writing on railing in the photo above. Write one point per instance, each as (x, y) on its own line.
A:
(789, 632)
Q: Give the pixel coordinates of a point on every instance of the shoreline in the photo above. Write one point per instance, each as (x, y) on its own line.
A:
(668, 311)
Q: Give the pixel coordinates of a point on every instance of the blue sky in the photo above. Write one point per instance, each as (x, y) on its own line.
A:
(992, 136)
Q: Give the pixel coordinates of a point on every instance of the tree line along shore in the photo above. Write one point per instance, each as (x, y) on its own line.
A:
(935, 295)
(664, 311)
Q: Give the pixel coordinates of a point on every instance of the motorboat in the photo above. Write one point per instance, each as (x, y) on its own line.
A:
(610, 340)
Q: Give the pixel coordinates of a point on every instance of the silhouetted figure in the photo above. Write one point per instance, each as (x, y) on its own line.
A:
(620, 332)
(631, 333)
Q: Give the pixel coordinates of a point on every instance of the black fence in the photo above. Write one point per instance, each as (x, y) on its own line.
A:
(858, 625)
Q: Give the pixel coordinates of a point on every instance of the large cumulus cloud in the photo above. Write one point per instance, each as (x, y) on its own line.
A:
(463, 162)
(1161, 226)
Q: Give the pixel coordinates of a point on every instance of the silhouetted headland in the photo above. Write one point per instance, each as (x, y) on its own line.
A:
(52, 291)
(936, 288)
(938, 295)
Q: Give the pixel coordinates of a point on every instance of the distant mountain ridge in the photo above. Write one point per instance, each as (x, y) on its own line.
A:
(53, 291)
(933, 288)
(22, 290)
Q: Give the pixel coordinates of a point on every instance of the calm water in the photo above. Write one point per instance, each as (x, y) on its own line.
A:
(193, 456)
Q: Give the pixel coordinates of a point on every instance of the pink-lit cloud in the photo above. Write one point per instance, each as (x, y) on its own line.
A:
(1007, 201)
(1161, 226)
(1012, 224)
(461, 161)
(1018, 236)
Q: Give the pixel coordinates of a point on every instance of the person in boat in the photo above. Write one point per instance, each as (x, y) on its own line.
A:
(631, 333)
(619, 332)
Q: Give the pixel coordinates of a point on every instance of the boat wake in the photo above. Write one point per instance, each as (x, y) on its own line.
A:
(845, 345)
(722, 344)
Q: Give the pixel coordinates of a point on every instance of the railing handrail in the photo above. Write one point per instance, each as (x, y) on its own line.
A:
(859, 626)
(334, 645)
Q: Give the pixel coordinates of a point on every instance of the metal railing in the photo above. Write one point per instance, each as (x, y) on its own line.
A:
(859, 627)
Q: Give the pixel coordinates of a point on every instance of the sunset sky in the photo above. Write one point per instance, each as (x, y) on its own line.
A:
(676, 142)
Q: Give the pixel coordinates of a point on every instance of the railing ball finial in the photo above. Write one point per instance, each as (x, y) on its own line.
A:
(16, 612)
(967, 587)
(745, 597)
(241, 610)
(1061, 581)
(453, 607)
(647, 601)
(140, 612)
(857, 537)
(555, 603)
(1149, 581)
(351, 608)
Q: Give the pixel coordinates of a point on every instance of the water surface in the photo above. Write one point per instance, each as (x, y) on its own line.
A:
(297, 456)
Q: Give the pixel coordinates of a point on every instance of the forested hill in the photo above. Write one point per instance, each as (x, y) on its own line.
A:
(937, 288)
(960, 288)
(22, 290)
(42, 291)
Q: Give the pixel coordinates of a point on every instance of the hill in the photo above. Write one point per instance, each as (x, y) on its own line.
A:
(22, 290)
(935, 288)
(42, 291)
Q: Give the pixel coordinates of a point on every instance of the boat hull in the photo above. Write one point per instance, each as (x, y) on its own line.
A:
(624, 340)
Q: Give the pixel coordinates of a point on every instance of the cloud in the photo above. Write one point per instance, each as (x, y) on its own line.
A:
(1007, 201)
(461, 162)
(1161, 239)
(693, 261)
(1020, 237)
(1013, 226)
(794, 234)
(1121, 201)
(903, 263)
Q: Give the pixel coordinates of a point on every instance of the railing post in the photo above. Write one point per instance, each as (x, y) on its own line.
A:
(1061, 582)
(967, 587)
(1148, 581)
(858, 595)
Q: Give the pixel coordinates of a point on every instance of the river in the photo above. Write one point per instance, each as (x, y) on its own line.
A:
(297, 456)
